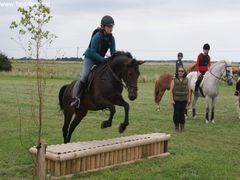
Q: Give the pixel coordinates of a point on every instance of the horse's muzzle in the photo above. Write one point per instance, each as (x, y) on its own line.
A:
(229, 83)
(132, 97)
(132, 93)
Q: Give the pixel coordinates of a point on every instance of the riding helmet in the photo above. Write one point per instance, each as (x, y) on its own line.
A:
(180, 54)
(107, 21)
(206, 46)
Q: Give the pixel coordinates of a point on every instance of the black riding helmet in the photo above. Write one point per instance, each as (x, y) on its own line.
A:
(180, 54)
(206, 46)
(107, 21)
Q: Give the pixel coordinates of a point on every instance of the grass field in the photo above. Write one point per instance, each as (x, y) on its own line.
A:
(202, 151)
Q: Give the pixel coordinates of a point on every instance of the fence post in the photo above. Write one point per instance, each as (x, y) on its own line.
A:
(41, 166)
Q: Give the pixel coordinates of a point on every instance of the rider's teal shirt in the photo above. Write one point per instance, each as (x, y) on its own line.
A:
(92, 53)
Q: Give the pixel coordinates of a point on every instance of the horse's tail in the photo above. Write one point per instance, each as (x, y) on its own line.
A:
(60, 95)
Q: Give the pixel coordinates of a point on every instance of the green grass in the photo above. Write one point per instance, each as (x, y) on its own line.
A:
(200, 152)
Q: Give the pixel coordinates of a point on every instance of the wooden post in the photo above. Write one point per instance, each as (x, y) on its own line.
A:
(41, 167)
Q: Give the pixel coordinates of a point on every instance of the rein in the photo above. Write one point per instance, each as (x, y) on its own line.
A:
(116, 77)
(126, 85)
(219, 78)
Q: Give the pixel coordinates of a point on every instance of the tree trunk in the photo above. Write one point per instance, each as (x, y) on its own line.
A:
(41, 167)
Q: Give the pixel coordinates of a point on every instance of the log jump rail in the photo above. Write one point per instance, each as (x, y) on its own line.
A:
(65, 160)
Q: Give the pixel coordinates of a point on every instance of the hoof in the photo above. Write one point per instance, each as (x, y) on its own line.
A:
(122, 128)
(206, 121)
(213, 121)
(106, 124)
(194, 117)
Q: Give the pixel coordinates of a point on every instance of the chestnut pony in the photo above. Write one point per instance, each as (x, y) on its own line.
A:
(104, 92)
(163, 83)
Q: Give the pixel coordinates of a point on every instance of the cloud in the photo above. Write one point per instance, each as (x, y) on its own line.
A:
(152, 30)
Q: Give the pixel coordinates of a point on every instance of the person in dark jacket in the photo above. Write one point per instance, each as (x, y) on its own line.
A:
(102, 40)
(179, 61)
(180, 97)
(202, 65)
(237, 90)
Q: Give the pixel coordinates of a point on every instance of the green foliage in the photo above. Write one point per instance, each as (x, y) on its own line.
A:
(5, 63)
(32, 24)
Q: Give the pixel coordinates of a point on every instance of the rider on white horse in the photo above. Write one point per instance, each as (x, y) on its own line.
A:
(202, 65)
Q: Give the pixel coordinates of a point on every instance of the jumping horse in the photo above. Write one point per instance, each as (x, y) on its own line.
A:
(210, 86)
(105, 86)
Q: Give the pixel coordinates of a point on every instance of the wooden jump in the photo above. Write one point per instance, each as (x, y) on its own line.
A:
(73, 158)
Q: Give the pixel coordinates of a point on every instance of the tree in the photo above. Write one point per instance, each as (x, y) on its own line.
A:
(31, 26)
(5, 63)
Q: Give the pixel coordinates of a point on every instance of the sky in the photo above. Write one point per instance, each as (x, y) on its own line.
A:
(150, 30)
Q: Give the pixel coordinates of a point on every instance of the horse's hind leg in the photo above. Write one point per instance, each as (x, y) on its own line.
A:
(159, 98)
(77, 119)
(206, 109)
(213, 108)
(67, 120)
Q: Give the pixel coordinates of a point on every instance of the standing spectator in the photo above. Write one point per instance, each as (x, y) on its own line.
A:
(237, 87)
(202, 65)
(180, 97)
(179, 61)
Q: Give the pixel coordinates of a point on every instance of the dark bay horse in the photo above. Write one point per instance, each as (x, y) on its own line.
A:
(104, 92)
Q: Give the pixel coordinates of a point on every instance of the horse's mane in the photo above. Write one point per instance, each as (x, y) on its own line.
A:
(219, 62)
(121, 53)
(103, 66)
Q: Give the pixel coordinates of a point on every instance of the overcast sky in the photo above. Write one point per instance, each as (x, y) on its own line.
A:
(153, 29)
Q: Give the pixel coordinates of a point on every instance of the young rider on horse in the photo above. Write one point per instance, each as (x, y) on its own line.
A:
(202, 65)
(179, 61)
(102, 40)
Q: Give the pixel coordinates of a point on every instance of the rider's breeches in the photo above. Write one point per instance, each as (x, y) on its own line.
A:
(87, 65)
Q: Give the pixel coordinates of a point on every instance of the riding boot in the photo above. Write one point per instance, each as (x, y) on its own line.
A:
(198, 82)
(77, 100)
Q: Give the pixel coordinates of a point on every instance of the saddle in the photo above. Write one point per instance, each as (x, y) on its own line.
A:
(88, 83)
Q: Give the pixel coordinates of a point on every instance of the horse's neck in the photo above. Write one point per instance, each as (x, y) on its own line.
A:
(116, 68)
(217, 70)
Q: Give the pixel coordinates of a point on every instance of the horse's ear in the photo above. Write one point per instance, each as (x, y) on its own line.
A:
(140, 62)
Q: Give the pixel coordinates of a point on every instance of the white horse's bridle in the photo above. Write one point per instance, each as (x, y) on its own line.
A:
(220, 77)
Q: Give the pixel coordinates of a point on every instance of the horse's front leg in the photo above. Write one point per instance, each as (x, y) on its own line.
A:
(195, 98)
(120, 102)
(213, 108)
(124, 125)
(108, 123)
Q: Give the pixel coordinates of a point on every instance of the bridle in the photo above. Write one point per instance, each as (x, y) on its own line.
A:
(126, 85)
(227, 73)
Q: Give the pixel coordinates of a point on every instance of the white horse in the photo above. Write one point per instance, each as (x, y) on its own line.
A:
(210, 85)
